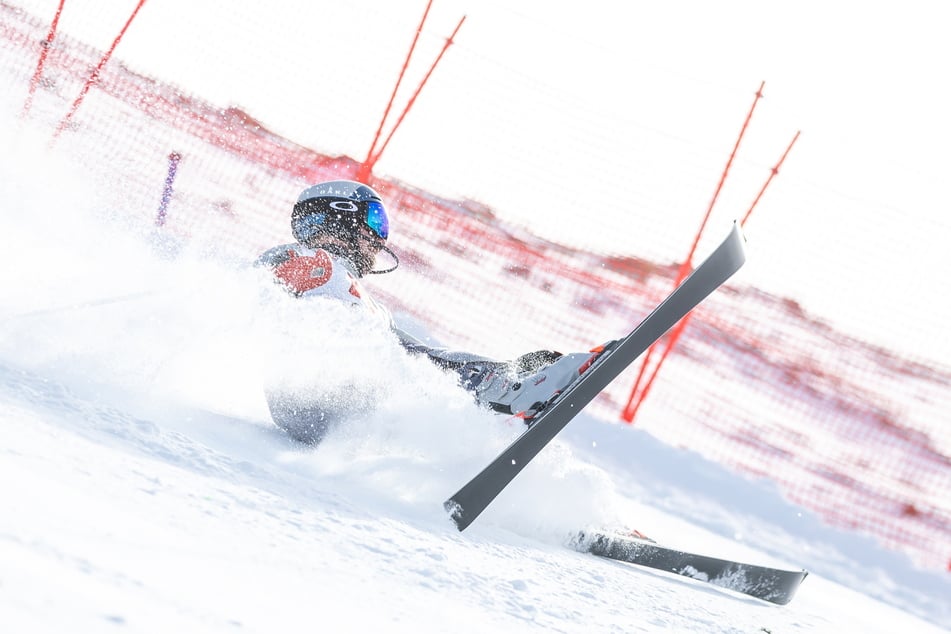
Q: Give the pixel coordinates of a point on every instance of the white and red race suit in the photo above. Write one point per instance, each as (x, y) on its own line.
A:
(307, 272)
(516, 387)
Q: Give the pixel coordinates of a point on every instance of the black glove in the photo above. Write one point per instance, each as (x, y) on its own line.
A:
(534, 361)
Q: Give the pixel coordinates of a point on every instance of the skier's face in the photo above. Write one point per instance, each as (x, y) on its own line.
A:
(363, 246)
(367, 243)
(359, 245)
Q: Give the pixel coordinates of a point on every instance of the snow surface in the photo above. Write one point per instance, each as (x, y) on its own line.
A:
(144, 488)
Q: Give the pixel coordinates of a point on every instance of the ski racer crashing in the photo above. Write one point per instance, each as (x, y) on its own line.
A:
(340, 227)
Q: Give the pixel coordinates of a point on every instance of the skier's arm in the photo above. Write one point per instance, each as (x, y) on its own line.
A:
(444, 358)
(454, 359)
(520, 386)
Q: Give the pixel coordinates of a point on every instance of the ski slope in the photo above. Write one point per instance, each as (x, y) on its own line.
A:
(145, 490)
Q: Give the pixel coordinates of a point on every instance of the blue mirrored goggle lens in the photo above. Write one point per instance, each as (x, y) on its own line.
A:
(377, 219)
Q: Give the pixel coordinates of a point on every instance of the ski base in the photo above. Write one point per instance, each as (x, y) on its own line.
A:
(774, 585)
(473, 498)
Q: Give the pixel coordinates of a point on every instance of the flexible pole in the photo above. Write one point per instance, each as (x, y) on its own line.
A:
(366, 167)
(173, 160)
(412, 100)
(45, 47)
(94, 75)
(772, 173)
(638, 394)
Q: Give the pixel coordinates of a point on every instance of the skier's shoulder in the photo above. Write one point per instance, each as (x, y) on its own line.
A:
(307, 272)
(275, 256)
(302, 270)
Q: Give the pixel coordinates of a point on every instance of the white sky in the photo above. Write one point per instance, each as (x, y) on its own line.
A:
(620, 116)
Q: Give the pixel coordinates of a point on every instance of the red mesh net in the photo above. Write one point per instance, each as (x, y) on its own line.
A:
(853, 431)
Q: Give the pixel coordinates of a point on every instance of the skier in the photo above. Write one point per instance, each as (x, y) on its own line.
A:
(340, 227)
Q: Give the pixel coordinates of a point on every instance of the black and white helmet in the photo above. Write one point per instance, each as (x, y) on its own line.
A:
(338, 208)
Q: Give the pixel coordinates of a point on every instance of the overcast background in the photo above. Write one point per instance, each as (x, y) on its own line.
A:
(608, 124)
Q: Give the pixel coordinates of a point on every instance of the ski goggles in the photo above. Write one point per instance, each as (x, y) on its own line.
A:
(377, 219)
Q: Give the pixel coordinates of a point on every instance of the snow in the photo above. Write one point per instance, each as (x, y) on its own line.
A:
(145, 490)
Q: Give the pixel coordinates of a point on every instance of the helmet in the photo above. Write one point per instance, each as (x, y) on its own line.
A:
(338, 208)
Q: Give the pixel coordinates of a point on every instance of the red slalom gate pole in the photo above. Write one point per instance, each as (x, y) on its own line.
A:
(94, 75)
(449, 42)
(366, 167)
(680, 327)
(772, 174)
(45, 45)
(638, 393)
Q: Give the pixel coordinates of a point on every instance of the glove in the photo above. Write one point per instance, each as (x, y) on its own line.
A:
(490, 379)
(534, 361)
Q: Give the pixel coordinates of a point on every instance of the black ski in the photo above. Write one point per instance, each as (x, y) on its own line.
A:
(769, 584)
(478, 493)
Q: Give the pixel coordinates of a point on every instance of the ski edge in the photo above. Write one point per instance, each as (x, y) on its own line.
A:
(773, 585)
(470, 500)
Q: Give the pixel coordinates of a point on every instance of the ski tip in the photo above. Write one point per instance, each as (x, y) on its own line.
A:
(738, 227)
(736, 244)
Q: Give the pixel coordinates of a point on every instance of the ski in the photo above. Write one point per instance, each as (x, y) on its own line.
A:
(467, 503)
(762, 582)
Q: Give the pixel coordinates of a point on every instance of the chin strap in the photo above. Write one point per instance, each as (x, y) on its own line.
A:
(396, 262)
(343, 253)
